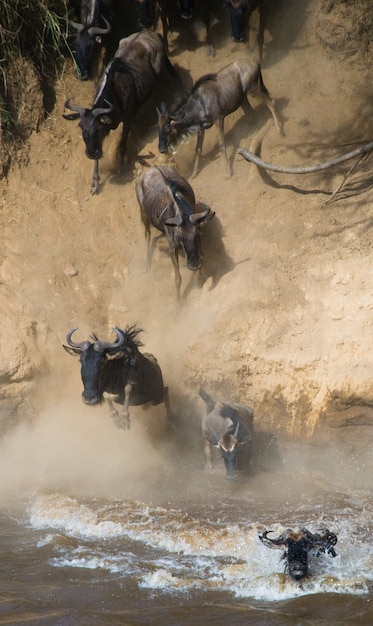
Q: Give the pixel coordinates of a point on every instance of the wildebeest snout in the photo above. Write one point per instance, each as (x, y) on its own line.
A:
(91, 399)
(94, 154)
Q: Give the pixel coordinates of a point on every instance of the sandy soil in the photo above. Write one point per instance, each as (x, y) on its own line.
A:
(283, 320)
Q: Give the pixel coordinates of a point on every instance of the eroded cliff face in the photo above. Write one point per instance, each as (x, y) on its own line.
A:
(283, 320)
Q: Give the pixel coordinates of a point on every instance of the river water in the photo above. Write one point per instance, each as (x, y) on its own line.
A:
(98, 526)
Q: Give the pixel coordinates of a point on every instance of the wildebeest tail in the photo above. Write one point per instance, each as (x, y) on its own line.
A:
(210, 403)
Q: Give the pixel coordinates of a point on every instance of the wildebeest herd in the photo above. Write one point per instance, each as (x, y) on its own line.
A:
(117, 370)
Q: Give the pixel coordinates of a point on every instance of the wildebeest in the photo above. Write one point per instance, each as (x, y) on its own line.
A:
(213, 97)
(150, 11)
(188, 10)
(167, 202)
(127, 84)
(120, 369)
(240, 12)
(298, 544)
(226, 426)
(89, 32)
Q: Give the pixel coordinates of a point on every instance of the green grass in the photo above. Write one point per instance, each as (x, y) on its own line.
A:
(34, 31)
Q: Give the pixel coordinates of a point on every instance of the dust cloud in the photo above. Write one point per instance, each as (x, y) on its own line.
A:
(74, 449)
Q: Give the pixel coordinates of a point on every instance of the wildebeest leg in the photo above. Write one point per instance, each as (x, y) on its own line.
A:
(95, 178)
(262, 22)
(200, 138)
(115, 416)
(151, 249)
(263, 97)
(246, 107)
(219, 123)
(124, 413)
(175, 262)
(208, 461)
(123, 141)
(206, 17)
(166, 400)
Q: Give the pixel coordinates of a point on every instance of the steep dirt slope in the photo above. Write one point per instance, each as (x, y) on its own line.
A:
(283, 320)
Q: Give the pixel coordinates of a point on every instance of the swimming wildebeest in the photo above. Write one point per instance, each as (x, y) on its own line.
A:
(227, 427)
(89, 32)
(127, 84)
(120, 369)
(298, 544)
(213, 97)
(167, 202)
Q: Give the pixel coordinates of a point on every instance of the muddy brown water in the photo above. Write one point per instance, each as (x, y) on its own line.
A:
(134, 535)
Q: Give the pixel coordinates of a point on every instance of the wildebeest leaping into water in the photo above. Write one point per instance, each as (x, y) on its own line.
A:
(119, 368)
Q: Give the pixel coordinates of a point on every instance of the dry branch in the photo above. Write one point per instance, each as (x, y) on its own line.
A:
(250, 156)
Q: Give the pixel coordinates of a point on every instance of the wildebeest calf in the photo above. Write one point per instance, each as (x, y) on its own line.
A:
(226, 426)
(213, 97)
(167, 202)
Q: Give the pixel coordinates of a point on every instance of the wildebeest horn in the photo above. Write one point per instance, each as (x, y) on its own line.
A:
(95, 30)
(197, 217)
(174, 221)
(83, 345)
(100, 346)
(74, 107)
(274, 542)
(99, 111)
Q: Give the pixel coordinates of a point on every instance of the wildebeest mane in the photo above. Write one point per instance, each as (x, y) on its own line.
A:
(175, 187)
(131, 333)
(122, 67)
(183, 204)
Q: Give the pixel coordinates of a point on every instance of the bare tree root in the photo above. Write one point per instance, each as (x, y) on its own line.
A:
(250, 156)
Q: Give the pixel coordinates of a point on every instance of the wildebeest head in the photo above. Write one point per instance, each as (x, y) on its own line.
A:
(95, 124)
(298, 544)
(167, 130)
(186, 227)
(237, 10)
(145, 13)
(93, 357)
(86, 43)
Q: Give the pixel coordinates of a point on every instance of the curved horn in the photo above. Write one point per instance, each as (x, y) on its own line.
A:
(197, 217)
(174, 221)
(95, 30)
(279, 541)
(100, 346)
(83, 345)
(99, 111)
(74, 107)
